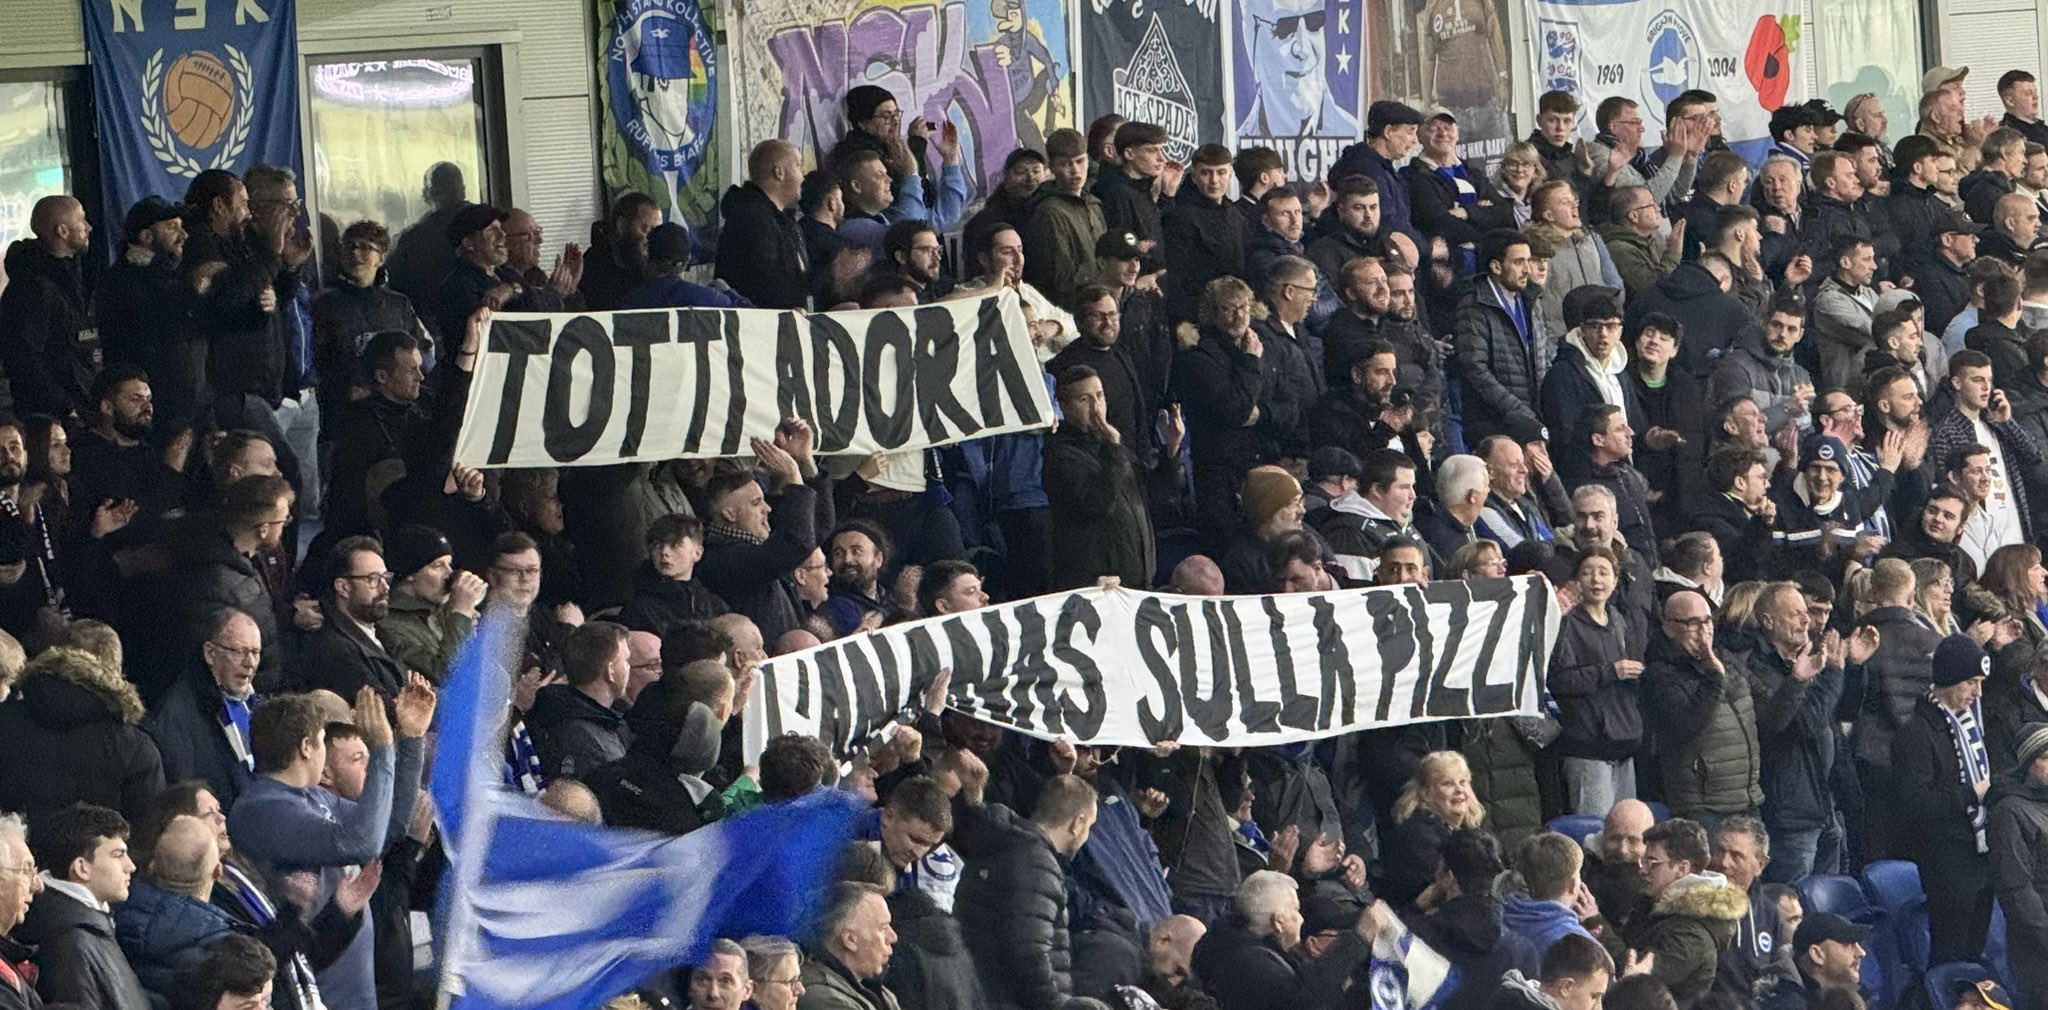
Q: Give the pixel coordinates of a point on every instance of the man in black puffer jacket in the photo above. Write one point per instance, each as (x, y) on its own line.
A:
(1712, 319)
(46, 309)
(1497, 335)
(1012, 899)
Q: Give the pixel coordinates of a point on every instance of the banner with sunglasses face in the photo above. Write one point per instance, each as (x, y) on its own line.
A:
(1296, 73)
(1126, 668)
(1156, 63)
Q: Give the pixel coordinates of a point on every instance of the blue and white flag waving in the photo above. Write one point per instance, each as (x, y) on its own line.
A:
(545, 914)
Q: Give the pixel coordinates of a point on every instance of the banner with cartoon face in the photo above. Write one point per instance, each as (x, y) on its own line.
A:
(1745, 52)
(1156, 63)
(182, 88)
(658, 79)
(1296, 74)
(998, 70)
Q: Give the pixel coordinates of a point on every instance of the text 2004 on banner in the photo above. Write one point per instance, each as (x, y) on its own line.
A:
(563, 389)
(1132, 668)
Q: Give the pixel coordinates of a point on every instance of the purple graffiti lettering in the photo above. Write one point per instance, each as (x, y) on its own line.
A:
(921, 54)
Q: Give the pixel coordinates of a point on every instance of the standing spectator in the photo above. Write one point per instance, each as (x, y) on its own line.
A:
(1711, 321)
(346, 654)
(1740, 515)
(617, 262)
(422, 255)
(1981, 414)
(2018, 836)
(1234, 399)
(1704, 716)
(141, 305)
(854, 950)
(659, 783)
(165, 924)
(1642, 254)
(1844, 307)
(2004, 160)
(433, 606)
(1760, 959)
(71, 737)
(286, 820)
(120, 459)
(1064, 223)
(1997, 332)
(761, 251)
(525, 240)
(202, 726)
(1942, 771)
(2015, 230)
(348, 313)
(753, 545)
(1203, 233)
(668, 259)
(1765, 370)
(2012, 704)
(1290, 290)
(578, 726)
(1128, 392)
(1097, 488)
(1588, 371)
(1838, 212)
(1352, 229)
(1390, 137)
(666, 591)
(46, 311)
(1130, 196)
(1687, 916)
(1594, 676)
(83, 851)
(1581, 257)
(2021, 96)
(1012, 901)
(1024, 171)
(1575, 972)
(1497, 335)
(239, 311)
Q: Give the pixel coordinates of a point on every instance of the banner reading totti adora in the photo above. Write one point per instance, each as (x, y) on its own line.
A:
(567, 389)
(1743, 51)
(1121, 667)
(184, 87)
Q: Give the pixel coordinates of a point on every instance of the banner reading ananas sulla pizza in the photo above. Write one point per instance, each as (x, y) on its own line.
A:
(184, 86)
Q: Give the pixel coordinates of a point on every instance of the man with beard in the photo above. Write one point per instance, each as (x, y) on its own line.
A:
(347, 654)
(1613, 871)
(1893, 405)
(479, 276)
(46, 311)
(858, 551)
(1362, 285)
(1126, 399)
(916, 254)
(1145, 333)
(1361, 417)
(28, 582)
(617, 262)
(433, 607)
(114, 469)
(135, 298)
(1355, 214)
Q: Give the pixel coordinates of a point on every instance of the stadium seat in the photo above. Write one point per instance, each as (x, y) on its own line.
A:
(1944, 979)
(1833, 892)
(1661, 812)
(1995, 947)
(1893, 885)
(1576, 826)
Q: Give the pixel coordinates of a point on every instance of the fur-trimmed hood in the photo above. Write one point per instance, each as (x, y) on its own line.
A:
(1704, 896)
(65, 687)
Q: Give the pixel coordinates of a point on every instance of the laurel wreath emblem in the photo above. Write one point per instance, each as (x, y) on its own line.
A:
(165, 146)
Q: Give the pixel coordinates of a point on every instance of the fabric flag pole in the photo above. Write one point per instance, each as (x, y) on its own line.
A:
(546, 914)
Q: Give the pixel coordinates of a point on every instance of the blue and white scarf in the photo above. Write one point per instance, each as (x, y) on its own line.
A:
(1966, 730)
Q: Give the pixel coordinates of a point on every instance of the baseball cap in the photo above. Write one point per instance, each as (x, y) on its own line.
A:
(1437, 112)
(1934, 79)
(1957, 222)
(1823, 114)
(1386, 112)
(1821, 927)
(149, 212)
(1118, 245)
(472, 219)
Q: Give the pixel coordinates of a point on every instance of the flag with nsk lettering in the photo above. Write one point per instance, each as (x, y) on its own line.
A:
(1128, 668)
(581, 389)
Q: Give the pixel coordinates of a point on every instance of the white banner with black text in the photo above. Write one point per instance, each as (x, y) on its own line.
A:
(583, 389)
(1128, 668)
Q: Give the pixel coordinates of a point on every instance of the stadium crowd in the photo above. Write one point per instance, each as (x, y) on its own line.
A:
(1777, 435)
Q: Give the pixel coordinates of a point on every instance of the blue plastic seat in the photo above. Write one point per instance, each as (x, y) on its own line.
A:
(1995, 949)
(1836, 894)
(1944, 979)
(1893, 884)
(1576, 826)
(1661, 812)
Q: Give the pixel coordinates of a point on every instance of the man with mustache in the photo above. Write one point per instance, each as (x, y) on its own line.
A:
(116, 473)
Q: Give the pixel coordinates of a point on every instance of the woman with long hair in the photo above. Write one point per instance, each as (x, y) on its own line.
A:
(1595, 676)
(1437, 800)
(1934, 595)
(2014, 574)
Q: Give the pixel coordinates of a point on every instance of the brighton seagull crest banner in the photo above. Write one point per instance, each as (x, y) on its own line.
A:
(185, 86)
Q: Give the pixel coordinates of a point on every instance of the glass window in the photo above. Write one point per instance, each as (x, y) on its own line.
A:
(380, 123)
(33, 156)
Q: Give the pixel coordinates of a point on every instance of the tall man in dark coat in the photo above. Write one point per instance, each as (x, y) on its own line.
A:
(1943, 771)
(1098, 489)
(1012, 900)
(1496, 335)
(46, 308)
(761, 250)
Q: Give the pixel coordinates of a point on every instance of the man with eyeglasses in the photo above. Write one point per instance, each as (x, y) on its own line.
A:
(1687, 914)
(1869, 478)
(19, 885)
(1619, 158)
(1126, 403)
(1640, 256)
(347, 653)
(202, 726)
(1705, 716)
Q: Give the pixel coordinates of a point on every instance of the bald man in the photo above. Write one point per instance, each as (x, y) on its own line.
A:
(643, 662)
(761, 247)
(2015, 221)
(1615, 872)
(170, 898)
(1172, 947)
(526, 246)
(1197, 576)
(44, 310)
(186, 858)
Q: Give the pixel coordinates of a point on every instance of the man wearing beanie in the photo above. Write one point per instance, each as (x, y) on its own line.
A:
(2019, 864)
(1271, 503)
(1942, 771)
(433, 604)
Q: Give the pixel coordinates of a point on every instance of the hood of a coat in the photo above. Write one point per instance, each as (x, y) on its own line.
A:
(65, 687)
(1705, 895)
(560, 703)
(1689, 282)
